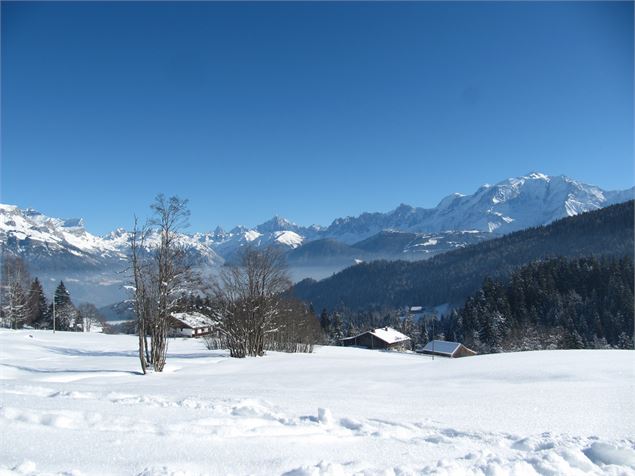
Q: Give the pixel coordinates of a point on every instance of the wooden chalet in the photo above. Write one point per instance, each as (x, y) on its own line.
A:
(444, 348)
(382, 338)
(190, 324)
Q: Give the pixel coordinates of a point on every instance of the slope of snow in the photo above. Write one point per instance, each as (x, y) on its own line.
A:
(252, 235)
(288, 238)
(76, 404)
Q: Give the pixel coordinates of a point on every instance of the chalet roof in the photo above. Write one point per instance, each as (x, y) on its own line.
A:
(387, 334)
(193, 320)
(416, 308)
(442, 347)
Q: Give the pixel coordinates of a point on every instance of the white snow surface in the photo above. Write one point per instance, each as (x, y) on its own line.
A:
(75, 403)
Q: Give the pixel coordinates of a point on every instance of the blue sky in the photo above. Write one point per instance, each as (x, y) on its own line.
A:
(309, 111)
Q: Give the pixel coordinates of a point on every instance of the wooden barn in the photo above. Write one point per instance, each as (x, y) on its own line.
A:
(382, 338)
(444, 348)
(190, 324)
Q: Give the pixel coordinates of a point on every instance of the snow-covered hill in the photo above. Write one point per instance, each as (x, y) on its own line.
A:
(57, 248)
(75, 403)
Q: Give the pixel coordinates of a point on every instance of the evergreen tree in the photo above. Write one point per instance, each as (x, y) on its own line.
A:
(325, 322)
(65, 315)
(62, 297)
(37, 305)
(337, 328)
(625, 341)
(572, 340)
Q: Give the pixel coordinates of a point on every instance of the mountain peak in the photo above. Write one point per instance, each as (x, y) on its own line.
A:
(537, 176)
(277, 223)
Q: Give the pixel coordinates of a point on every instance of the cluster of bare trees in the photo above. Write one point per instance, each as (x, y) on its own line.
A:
(295, 328)
(252, 309)
(248, 300)
(160, 274)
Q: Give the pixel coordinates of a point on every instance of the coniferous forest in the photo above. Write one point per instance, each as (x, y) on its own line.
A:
(559, 303)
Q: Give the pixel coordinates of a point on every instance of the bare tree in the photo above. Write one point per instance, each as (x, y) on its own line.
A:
(296, 328)
(14, 280)
(89, 316)
(160, 276)
(248, 299)
(14, 305)
(140, 274)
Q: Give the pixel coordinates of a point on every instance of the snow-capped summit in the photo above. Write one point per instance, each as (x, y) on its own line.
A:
(31, 229)
(63, 248)
(512, 204)
(277, 223)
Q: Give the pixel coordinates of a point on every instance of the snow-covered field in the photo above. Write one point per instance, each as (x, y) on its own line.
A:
(76, 404)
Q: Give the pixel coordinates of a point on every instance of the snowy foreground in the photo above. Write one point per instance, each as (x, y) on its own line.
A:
(76, 404)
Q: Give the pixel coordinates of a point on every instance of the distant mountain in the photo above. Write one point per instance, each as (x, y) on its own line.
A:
(450, 277)
(511, 205)
(93, 266)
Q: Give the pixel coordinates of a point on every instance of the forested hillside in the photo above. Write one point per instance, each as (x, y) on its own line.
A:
(566, 304)
(453, 276)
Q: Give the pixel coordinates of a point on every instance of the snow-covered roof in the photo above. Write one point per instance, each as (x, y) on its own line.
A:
(442, 347)
(387, 334)
(193, 319)
(416, 308)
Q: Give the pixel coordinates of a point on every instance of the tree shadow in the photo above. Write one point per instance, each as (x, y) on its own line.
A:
(61, 371)
(91, 353)
(200, 355)
(130, 353)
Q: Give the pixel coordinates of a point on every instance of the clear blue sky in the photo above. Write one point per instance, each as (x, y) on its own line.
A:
(310, 111)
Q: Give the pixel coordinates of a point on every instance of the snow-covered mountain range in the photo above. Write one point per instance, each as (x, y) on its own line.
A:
(93, 267)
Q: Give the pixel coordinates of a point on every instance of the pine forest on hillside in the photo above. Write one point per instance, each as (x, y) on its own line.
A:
(452, 277)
